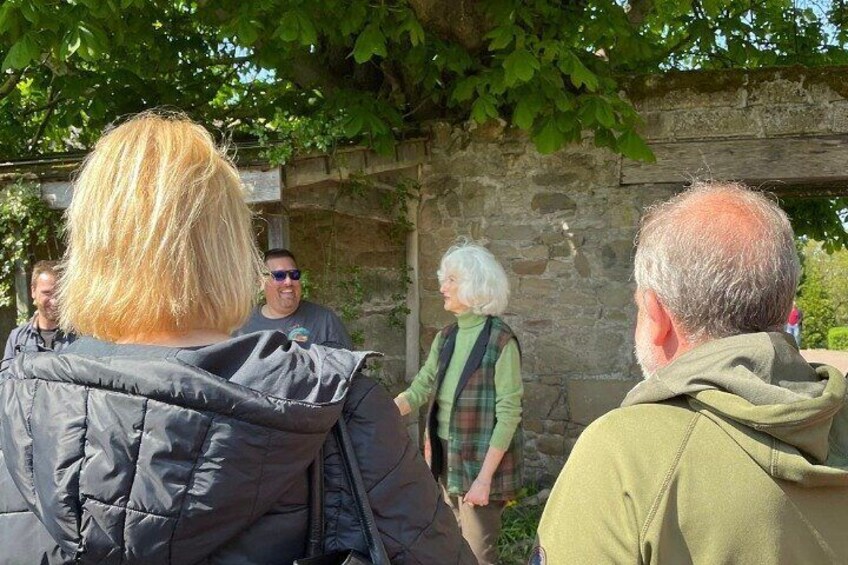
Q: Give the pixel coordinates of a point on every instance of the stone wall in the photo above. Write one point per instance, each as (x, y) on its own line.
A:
(563, 226)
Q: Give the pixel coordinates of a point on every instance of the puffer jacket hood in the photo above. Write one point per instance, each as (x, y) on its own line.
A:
(754, 385)
(119, 454)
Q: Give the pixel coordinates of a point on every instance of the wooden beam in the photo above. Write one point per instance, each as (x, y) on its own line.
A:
(790, 160)
(265, 184)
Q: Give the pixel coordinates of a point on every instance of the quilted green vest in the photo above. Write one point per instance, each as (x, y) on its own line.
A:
(473, 418)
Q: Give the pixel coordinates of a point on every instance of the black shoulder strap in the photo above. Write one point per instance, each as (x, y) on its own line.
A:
(475, 358)
(445, 354)
(315, 541)
(376, 549)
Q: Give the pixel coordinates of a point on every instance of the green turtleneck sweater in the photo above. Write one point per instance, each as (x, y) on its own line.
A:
(508, 386)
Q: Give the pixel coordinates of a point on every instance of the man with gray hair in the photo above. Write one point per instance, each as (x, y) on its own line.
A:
(733, 449)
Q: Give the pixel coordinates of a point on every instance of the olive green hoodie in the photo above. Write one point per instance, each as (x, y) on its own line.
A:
(736, 452)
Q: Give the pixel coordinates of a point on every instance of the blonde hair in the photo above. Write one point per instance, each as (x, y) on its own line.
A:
(159, 235)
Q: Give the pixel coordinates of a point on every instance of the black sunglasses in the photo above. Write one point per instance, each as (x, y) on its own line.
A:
(280, 276)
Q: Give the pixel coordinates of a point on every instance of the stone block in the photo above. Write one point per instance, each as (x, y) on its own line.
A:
(615, 296)
(538, 288)
(552, 202)
(581, 263)
(537, 327)
(534, 267)
(490, 131)
(701, 123)
(579, 350)
(533, 425)
(589, 399)
(451, 203)
(542, 402)
(657, 126)
(560, 251)
(794, 119)
(511, 232)
(551, 445)
(776, 91)
(839, 117)
(429, 215)
(440, 185)
(555, 179)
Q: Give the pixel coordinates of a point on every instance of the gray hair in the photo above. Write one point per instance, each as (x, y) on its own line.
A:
(721, 258)
(482, 282)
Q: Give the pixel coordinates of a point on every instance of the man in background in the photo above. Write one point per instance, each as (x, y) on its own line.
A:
(42, 331)
(733, 449)
(301, 320)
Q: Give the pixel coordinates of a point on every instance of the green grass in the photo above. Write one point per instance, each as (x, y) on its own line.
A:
(518, 533)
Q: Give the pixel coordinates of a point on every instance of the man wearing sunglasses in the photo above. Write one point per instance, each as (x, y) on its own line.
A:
(301, 320)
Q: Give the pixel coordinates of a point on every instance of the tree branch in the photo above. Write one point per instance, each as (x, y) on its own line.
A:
(463, 22)
(51, 107)
(638, 10)
(10, 83)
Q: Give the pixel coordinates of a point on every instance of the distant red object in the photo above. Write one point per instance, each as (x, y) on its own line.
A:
(794, 317)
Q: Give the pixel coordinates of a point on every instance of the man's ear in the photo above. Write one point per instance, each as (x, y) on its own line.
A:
(661, 324)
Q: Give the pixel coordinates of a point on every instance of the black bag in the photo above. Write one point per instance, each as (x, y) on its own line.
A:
(376, 549)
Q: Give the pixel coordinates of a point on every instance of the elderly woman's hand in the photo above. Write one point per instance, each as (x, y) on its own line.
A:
(478, 494)
(403, 405)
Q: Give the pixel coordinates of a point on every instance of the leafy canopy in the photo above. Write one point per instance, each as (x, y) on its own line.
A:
(310, 73)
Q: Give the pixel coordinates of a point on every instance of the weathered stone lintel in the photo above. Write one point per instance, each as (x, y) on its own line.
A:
(314, 169)
(794, 160)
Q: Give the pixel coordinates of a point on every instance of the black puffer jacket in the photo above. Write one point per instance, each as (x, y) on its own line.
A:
(143, 454)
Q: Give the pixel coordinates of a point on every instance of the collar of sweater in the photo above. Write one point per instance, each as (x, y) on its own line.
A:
(469, 320)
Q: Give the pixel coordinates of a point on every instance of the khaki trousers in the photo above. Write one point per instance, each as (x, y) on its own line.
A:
(480, 525)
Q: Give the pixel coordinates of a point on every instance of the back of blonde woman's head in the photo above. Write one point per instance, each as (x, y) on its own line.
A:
(159, 235)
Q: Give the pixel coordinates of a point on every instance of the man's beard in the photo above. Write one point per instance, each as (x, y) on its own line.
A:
(645, 357)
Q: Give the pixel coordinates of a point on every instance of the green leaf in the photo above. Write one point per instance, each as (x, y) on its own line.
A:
(526, 110)
(605, 138)
(354, 17)
(289, 27)
(464, 89)
(483, 109)
(8, 17)
(30, 11)
(519, 65)
(413, 28)
(308, 33)
(247, 31)
(634, 147)
(578, 73)
(501, 37)
(354, 124)
(596, 110)
(549, 138)
(21, 54)
(369, 43)
(712, 7)
(70, 43)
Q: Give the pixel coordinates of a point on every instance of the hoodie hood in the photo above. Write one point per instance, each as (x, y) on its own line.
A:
(788, 415)
(152, 454)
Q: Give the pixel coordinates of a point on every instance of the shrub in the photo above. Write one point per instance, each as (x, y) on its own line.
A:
(837, 339)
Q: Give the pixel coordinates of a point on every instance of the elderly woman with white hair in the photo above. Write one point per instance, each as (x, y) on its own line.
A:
(472, 379)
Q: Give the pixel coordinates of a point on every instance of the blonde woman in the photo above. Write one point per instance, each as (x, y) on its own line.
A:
(156, 438)
(472, 381)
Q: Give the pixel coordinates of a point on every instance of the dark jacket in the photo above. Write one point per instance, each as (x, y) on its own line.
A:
(144, 454)
(26, 338)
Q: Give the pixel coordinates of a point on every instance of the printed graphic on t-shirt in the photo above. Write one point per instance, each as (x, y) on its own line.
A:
(299, 334)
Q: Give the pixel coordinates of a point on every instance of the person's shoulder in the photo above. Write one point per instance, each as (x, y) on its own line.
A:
(627, 428)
